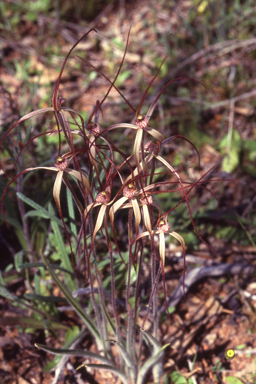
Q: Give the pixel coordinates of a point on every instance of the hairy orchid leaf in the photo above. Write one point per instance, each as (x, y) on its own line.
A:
(158, 351)
(74, 352)
(125, 355)
(31, 322)
(111, 323)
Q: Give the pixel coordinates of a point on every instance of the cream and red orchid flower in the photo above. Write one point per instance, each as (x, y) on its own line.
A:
(145, 203)
(129, 193)
(138, 138)
(61, 166)
(163, 229)
(62, 169)
(103, 200)
(146, 200)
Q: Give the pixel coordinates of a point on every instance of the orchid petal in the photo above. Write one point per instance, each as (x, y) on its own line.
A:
(80, 176)
(99, 221)
(179, 238)
(137, 214)
(56, 190)
(143, 234)
(122, 125)
(47, 168)
(115, 207)
(154, 133)
(147, 220)
(137, 146)
(89, 207)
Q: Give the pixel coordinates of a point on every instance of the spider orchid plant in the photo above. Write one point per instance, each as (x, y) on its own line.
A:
(102, 187)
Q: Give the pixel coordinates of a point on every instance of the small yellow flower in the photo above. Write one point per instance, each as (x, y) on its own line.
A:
(230, 354)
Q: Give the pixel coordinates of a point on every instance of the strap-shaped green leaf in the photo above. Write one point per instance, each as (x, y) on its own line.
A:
(71, 213)
(73, 337)
(31, 322)
(77, 308)
(46, 299)
(111, 323)
(39, 211)
(37, 264)
(153, 341)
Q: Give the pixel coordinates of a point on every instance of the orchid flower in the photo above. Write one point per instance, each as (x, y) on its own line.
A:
(62, 170)
(163, 229)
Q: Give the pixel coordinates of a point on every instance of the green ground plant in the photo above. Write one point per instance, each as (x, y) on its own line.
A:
(80, 249)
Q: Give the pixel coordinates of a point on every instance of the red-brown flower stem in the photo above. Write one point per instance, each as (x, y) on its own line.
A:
(128, 306)
(139, 273)
(154, 287)
(154, 298)
(113, 290)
